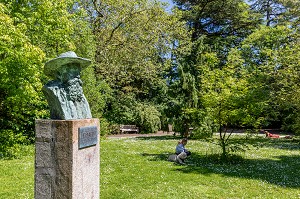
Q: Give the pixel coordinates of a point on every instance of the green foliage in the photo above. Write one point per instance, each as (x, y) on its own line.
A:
(121, 110)
(134, 40)
(203, 126)
(275, 12)
(207, 65)
(271, 59)
(11, 144)
(218, 17)
(54, 26)
(131, 36)
(31, 32)
(128, 111)
(223, 95)
(148, 117)
(199, 71)
(20, 71)
(97, 93)
(105, 127)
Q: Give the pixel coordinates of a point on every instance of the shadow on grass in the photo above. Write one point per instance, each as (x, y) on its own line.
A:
(281, 143)
(156, 157)
(281, 170)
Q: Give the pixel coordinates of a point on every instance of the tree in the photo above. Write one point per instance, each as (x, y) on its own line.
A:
(55, 26)
(270, 10)
(44, 29)
(215, 18)
(271, 60)
(217, 23)
(277, 11)
(131, 43)
(134, 39)
(216, 26)
(20, 72)
(224, 98)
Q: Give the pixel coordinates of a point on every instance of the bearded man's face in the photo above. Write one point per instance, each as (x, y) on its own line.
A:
(74, 89)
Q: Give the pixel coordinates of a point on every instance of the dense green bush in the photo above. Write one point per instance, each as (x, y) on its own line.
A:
(104, 127)
(203, 125)
(148, 118)
(11, 144)
(201, 132)
(20, 72)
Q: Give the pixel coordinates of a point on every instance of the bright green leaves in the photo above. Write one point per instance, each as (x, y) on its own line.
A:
(132, 38)
(31, 32)
(20, 71)
(20, 61)
(55, 26)
(223, 95)
(270, 59)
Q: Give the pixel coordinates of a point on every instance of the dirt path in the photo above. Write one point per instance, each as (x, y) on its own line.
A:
(128, 135)
(165, 133)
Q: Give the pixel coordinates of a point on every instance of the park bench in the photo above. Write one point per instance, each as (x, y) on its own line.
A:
(129, 128)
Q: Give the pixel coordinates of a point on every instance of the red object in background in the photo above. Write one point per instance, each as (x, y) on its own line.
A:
(270, 135)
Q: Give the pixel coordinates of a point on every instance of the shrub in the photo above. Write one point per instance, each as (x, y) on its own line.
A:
(104, 127)
(204, 129)
(11, 144)
(148, 117)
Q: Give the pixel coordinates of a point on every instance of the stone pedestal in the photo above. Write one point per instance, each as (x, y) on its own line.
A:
(67, 161)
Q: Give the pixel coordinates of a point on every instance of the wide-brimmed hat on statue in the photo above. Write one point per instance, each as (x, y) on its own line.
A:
(54, 65)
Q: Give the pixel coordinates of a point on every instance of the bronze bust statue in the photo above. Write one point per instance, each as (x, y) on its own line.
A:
(64, 93)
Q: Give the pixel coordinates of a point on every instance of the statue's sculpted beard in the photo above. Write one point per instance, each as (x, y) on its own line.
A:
(74, 90)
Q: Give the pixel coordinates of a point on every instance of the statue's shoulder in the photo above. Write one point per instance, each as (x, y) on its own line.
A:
(54, 84)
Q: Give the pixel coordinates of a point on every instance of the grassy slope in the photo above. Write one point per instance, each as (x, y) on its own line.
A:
(137, 168)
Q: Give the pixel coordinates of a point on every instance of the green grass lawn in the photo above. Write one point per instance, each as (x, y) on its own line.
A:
(17, 176)
(138, 168)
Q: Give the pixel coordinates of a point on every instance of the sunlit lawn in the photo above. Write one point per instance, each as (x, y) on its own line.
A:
(138, 168)
(17, 176)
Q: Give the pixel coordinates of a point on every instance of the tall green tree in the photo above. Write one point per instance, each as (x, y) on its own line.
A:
(275, 12)
(134, 39)
(45, 29)
(271, 58)
(216, 17)
(20, 72)
(216, 26)
(55, 26)
(220, 24)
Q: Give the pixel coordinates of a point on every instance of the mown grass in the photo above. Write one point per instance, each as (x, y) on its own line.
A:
(138, 168)
(17, 176)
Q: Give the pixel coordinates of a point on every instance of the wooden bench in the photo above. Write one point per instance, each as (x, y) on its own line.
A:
(129, 128)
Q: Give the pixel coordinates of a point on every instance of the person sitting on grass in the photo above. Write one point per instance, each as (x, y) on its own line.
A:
(181, 152)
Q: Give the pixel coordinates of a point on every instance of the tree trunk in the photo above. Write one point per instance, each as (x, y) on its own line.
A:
(223, 144)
